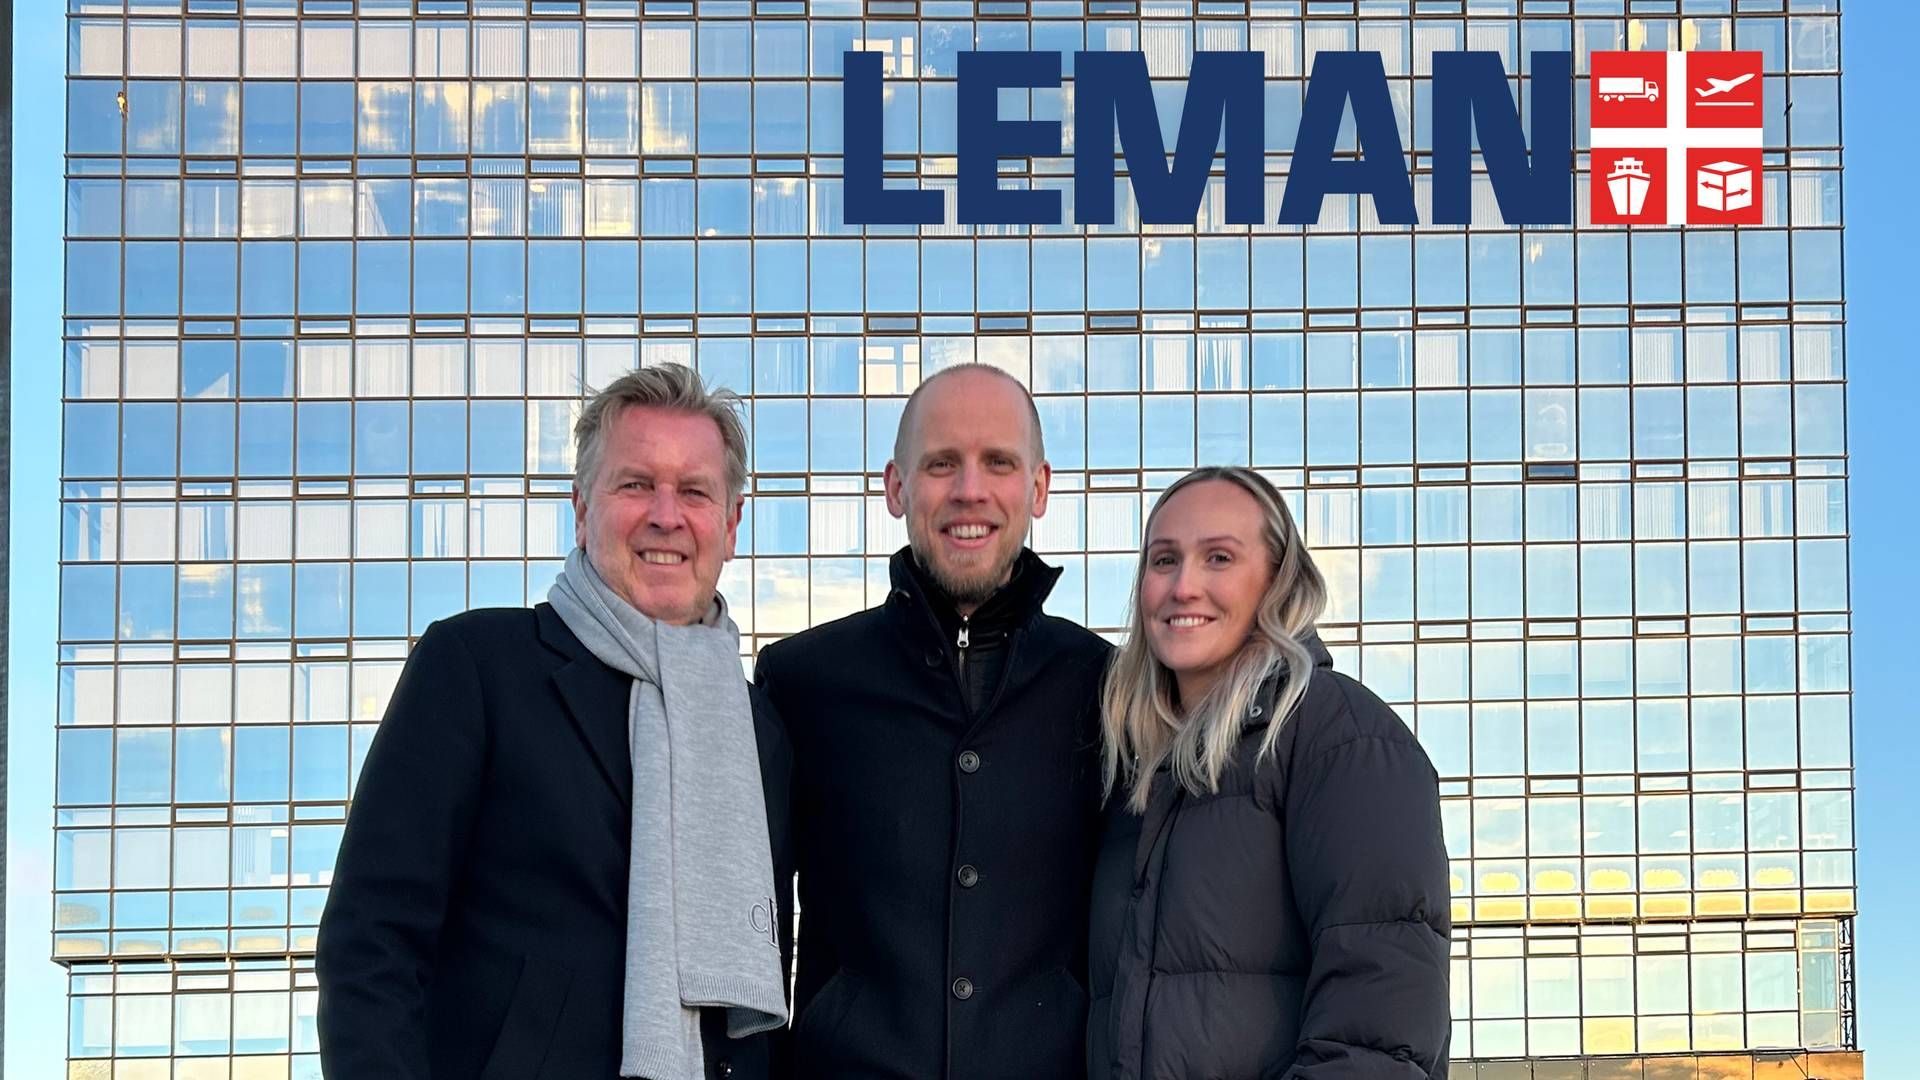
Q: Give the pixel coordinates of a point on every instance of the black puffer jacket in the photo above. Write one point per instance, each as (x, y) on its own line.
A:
(1295, 925)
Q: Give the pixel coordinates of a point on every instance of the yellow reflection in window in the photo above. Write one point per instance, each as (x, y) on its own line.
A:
(260, 1068)
(200, 1069)
(1608, 1035)
(1499, 881)
(1664, 878)
(1554, 881)
(1609, 879)
(1664, 1034)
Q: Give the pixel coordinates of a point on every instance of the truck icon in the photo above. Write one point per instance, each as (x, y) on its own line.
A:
(1624, 88)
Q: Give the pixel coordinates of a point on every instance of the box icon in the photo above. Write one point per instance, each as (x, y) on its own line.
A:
(1724, 186)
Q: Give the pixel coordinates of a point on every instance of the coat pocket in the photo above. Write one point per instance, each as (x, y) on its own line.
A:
(520, 1046)
(1060, 1039)
(1071, 988)
(818, 1025)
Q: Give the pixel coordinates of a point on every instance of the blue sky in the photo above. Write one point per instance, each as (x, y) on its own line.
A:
(1879, 39)
(36, 1018)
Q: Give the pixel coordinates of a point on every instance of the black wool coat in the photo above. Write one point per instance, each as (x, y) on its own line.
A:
(476, 926)
(1295, 925)
(944, 853)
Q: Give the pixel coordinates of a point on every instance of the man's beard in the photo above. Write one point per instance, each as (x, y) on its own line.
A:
(969, 589)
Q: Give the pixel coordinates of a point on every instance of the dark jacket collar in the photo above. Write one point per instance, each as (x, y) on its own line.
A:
(1016, 602)
(1164, 795)
(1321, 657)
(1322, 661)
(555, 635)
(596, 698)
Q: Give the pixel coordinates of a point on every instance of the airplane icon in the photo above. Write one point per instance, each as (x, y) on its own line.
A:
(1715, 87)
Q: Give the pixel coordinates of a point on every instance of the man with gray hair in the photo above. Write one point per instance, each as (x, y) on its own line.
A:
(563, 850)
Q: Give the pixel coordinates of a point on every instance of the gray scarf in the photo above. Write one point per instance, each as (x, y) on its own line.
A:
(700, 913)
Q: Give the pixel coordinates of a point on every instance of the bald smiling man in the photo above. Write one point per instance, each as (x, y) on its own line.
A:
(946, 773)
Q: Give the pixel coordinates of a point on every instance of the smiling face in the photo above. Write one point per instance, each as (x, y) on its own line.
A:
(968, 482)
(1207, 569)
(657, 522)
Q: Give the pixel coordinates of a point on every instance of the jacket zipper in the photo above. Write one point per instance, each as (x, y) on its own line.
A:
(1160, 837)
(962, 640)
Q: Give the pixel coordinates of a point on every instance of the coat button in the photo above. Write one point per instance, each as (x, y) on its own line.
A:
(963, 988)
(969, 761)
(933, 658)
(969, 876)
(723, 1070)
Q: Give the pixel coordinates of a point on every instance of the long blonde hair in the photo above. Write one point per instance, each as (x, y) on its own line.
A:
(1140, 724)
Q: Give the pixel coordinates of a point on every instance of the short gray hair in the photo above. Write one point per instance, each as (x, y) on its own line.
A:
(661, 386)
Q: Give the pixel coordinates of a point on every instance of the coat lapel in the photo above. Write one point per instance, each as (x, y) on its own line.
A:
(596, 697)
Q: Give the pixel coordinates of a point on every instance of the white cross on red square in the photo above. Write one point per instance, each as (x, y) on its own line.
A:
(1676, 138)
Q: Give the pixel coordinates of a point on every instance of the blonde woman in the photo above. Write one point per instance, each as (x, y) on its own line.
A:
(1271, 895)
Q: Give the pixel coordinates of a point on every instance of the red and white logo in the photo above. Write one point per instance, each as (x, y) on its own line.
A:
(1675, 138)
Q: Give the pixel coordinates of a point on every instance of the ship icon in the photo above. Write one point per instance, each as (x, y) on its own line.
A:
(1627, 185)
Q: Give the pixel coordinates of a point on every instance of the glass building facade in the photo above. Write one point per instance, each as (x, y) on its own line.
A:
(339, 271)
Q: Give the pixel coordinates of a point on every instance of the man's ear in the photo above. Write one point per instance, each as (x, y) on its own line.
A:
(1042, 484)
(896, 483)
(579, 516)
(733, 526)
